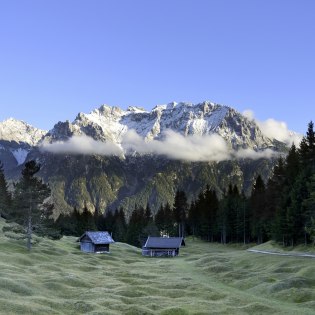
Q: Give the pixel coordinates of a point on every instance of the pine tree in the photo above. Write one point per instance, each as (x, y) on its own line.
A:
(223, 218)
(30, 204)
(159, 220)
(295, 212)
(135, 227)
(275, 202)
(169, 220)
(308, 206)
(200, 216)
(66, 224)
(307, 150)
(180, 211)
(292, 165)
(109, 222)
(258, 208)
(119, 226)
(5, 196)
(209, 215)
(193, 219)
(88, 221)
(148, 214)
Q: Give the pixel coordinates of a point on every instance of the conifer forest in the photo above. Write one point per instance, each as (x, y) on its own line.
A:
(281, 209)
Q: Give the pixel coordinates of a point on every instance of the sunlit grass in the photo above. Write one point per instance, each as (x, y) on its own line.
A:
(56, 278)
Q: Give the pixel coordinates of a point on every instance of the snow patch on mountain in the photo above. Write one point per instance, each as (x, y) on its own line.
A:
(20, 132)
(173, 127)
(20, 155)
(112, 123)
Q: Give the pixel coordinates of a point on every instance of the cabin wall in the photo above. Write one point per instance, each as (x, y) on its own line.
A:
(102, 247)
(160, 252)
(87, 247)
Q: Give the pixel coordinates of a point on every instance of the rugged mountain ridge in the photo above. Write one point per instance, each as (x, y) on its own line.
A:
(106, 182)
(111, 123)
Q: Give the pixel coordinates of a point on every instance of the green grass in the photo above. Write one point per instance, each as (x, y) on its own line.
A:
(56, 278)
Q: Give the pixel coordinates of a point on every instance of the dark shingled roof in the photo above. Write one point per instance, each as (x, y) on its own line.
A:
(98, 237)
(164, 242)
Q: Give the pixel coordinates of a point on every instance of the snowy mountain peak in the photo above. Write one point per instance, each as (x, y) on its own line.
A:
(20, 132)
(110, 124)
(136, 109)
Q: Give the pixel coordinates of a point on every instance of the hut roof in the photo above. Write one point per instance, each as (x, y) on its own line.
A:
(164, 242)
(98, 237)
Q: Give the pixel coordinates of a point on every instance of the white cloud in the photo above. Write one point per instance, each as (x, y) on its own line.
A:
(193, 148)
(248, 113)
(255, 155)
(176, 146)
(82, 145)
(274, 129)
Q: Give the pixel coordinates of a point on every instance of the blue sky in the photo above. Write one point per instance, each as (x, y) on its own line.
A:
(61, 57)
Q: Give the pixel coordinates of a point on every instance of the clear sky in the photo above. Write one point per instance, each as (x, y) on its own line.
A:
(61, 57)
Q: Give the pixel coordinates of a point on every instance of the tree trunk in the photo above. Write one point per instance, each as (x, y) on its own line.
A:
(244, 226)
(224, 235)
(29, 227)
(29, 232)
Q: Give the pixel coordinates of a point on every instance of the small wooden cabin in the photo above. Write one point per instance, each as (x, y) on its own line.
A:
(95, 242)
(162, 246)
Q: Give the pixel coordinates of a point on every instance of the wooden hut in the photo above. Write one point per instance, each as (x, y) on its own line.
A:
(162, 246)
(95, 242)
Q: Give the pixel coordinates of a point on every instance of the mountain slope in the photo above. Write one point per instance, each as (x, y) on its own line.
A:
(105, 181)
(112, 123)
(17, 138)
(57, 278)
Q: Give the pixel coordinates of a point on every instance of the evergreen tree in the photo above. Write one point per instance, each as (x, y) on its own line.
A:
(169, 221)
(5, 196)
(223, 218)
(150, 228)
(109, 222)
(136, 225)
(30, 205)
(295, 211)
(307, 150)
(180, 211)
(276, 200)
(310, 230)
(308, 206)
(193, 219)
(100, 221)
(148, 215)
(200, 216)
(292, 165)
(67, 224)
(160, 220)
(88, 221)
(208, 214)
(231, 216)
(258, 208)
(119, 226)
(310, 135)
(244, 227)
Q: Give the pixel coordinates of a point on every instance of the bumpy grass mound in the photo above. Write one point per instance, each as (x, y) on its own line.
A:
(56, 278)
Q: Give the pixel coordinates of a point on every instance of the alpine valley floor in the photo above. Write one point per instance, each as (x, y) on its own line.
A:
(56, 278)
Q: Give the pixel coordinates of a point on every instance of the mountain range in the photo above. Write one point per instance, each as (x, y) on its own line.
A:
(113, 157)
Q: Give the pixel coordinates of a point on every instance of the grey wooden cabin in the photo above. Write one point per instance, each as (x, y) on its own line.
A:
(95, 242)
(162, 246)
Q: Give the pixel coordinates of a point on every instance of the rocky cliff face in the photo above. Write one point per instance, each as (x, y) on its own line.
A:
(111, 124)
(107, 182)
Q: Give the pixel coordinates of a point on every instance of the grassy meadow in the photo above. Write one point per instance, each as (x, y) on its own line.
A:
(56, 278)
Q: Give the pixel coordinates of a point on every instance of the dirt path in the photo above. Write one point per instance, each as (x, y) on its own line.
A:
(281, 254)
